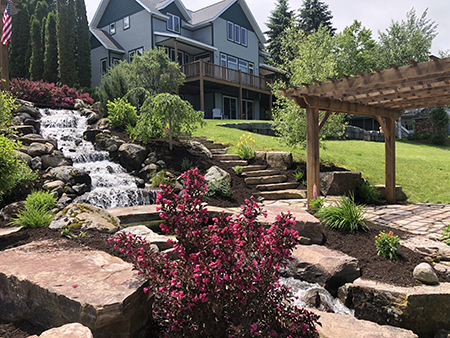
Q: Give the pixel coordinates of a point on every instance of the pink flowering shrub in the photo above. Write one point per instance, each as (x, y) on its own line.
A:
(225, 281)
(47, 93)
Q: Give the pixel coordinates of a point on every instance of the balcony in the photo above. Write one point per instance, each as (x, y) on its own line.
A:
(206, 71)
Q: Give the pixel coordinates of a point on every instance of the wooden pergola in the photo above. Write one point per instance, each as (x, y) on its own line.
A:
(383, 94)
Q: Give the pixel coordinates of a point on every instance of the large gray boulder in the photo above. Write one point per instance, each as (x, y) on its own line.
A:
(425, 274)
(422, 309)
(276, 159)
(71, 175)
(216, 174)
(72, 330)
(32, 138)
(33, 112)
(198, 148)
(24, 157)
(50, 284)
(318, 264)
(55, 160)
(161, 241)
(132, 156)
(85, 217)
(339, 183)
(399, 193)
(39, 149)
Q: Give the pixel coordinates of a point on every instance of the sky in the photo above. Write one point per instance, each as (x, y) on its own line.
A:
(376, 15)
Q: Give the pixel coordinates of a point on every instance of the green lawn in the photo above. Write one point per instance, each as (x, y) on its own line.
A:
(422, 170)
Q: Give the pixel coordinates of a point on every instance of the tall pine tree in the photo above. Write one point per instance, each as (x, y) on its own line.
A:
(37, 58)
(279, 20)
(19, 48)
(83, 45)
(66, 41)
(51, 50)
(314, 13)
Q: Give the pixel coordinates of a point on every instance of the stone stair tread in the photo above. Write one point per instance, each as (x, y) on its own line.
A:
(283, 194)
(226, 157)
(235, 162)
(253, 167)
(265, 179)
(277, 186)
(218, 151)
(214, 145)
(265, 172)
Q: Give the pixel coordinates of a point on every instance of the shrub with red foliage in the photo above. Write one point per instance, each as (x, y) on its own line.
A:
(47, 93)
(225, 280)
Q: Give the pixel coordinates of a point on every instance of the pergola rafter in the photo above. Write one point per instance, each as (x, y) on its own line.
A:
(383, 94)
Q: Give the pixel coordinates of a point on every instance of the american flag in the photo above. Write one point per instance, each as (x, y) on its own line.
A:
(6, 34)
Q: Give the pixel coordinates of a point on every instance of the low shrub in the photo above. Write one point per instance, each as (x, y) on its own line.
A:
(186, 164)
(245, 147)
(219, 188)
(47, 93)
(367, 193)
(298, 174)
(7, 105)
(345, 215)
(121, 113)
(36, 212)
(238, 170)
(387, 245)
(438, 139)
(225, 280)
(160, 179)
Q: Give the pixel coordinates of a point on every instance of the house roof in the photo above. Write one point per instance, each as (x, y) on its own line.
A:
(195, 18)
(106, 40)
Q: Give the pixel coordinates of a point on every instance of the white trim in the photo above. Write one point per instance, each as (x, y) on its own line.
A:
(182, 9)
(274, 69)
(187, 40)
(159, 15)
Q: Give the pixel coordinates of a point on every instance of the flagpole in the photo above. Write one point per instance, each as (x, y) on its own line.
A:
(4, 54)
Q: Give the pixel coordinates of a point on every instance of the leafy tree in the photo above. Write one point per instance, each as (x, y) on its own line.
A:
(37, 58)
(66, 41)
(314, 13)
(314, 60)
(20, 48)
(355, 50)
(440, 119)
(51, 50)
(406, 40)
(166, 115)
(279, 21)
(83, 46)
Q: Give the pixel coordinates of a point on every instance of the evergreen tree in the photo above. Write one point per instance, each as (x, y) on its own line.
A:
(66, 41)
(279, 20)
(19, 48)
(41, 11)
(314, 13)
(51, 50)
(83, 45)
(37, 58)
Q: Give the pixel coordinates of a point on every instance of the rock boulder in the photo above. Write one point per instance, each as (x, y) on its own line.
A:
(72, 330)
(132, 156)
(339, 183)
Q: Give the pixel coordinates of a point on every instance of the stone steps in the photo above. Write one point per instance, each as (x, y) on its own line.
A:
(258, 173)
(265, 179)
(226, 157)
(277, 186)
(218, 151)
(283, 194)
(235, 162)
(253, 167)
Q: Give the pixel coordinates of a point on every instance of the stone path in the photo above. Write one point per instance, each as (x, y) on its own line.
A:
(423, 219)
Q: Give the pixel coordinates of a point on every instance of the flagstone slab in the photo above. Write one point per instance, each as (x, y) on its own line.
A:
(49, 284)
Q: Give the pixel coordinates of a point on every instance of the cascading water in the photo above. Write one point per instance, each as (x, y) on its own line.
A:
(112, 186)
(312, 295)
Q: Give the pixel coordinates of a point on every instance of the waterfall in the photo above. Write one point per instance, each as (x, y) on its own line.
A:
(112, 186)
(312, 295)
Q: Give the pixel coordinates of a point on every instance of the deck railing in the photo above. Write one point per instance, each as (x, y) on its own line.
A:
(210, 70)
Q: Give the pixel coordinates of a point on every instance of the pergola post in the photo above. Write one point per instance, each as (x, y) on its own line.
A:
(389, 143)
(312, 152)
(202, 87)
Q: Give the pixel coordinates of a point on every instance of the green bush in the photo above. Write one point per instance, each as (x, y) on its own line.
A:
(317, 203)
(121, 113)
(36, 212)
(160, 178)
(367, 193)
(238, 170)
(298, 174)
(186, 164)
(12, 169)
(7, 105)
(219, 188)
(346, 215)
(387, 245)
(114, 84)
(437, 139)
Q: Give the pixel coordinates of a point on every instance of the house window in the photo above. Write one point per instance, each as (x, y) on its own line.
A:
(180, 58)
(243, 66)
(232, 62)
(251, 68)
(137, 51)
(112, 28)
(126, 22)
(243, 36)
(223, 60)
(115, 60)
(237, 34)
(173, 24)
(230, 31)
(104, 65)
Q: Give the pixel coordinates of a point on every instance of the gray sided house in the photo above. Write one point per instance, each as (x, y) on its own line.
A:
(220, 49)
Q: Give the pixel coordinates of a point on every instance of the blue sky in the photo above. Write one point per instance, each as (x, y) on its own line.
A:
(376, 15)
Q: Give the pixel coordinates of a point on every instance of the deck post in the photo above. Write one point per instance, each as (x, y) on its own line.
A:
(389, 144)
(312, 153)
(202, 89)
(241, 113)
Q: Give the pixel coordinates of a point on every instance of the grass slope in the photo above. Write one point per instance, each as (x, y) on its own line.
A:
(422, 170)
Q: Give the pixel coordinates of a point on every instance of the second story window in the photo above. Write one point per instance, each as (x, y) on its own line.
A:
(112, 28)
(126, 22)
(173, 24)
(243, 36)
(230, 33)
(237, 34)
